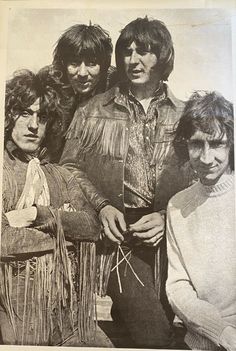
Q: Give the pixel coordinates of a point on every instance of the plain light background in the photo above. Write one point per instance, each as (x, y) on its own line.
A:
(202, 40)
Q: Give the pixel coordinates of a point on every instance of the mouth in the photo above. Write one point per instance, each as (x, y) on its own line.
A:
(135, 72)
(83, 84)
(208, 169)
(31, 136)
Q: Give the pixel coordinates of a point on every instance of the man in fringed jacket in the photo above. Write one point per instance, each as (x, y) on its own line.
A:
(48, 229)
(119, 147)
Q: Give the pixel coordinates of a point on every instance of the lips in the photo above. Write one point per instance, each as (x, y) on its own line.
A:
(31, 136)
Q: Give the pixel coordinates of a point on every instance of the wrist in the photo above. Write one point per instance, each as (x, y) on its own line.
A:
(102, 205)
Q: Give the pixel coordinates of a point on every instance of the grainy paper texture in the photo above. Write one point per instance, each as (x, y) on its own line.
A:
(203, 33)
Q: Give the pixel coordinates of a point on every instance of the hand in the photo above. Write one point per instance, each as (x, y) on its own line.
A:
(228, 338)
(113, 223)
(149, 229)
(22, 218)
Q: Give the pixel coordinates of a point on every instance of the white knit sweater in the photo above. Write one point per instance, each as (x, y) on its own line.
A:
(201, 244)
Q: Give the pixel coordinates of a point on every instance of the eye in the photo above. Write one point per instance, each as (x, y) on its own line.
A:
(215, 144)
(91, 63)
(43, 118)
(73, 64)
(142, 51)
(127, 52)
(195, 144)
(25, 114)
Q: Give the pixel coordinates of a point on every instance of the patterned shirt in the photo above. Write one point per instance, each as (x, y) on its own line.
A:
(139, 171)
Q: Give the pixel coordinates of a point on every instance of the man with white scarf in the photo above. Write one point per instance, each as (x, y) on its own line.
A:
(48, 230)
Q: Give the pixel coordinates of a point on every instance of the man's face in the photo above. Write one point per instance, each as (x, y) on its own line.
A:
(141, 65)
(29, 129)
(209, 156)
(83, 75)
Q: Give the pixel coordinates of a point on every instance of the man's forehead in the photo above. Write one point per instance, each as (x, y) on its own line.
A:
(135, 44)
(35, 107)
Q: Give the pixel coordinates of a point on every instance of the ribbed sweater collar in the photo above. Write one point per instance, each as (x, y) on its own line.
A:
(225, 183)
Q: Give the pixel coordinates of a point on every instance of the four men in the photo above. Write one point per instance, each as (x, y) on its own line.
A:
(119, 149)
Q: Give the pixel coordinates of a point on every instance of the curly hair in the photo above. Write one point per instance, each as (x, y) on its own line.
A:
(82, 41)
(149, 34)
(210, 113)
(22, 90)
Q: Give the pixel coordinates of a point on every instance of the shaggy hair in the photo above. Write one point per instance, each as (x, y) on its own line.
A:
(82, 42)
(210, 113)
(22, 90)
(149, 34)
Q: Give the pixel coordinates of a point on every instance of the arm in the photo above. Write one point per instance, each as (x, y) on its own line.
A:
(79, 220)
(22, 240)
(198, 315)
(73, 162)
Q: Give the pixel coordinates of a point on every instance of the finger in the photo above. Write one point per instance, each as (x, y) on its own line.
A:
(153, 241)
(144, 227)
(110, 235)
(142, 220)
(149, 234)
(121, 220)
(115, 231)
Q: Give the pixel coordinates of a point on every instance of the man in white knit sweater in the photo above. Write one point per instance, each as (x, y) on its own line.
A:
(201, 240)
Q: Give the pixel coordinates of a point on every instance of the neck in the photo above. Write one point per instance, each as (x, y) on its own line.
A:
(144, 91)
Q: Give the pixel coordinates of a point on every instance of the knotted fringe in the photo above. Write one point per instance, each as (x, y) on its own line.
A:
(104, 136)
(48, 290)
(86, 291)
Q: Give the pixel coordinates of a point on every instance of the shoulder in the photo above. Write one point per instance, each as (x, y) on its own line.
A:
(180, 200)
(99, 101)
(59, 173)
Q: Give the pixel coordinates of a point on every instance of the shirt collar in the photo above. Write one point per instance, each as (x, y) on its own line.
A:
(119, 93)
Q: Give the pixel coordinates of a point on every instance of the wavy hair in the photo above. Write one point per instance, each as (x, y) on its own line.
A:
(210, 113)
(22, 90)
(150, 34)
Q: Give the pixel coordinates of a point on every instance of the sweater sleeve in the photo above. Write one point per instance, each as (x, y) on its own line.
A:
(198, 315)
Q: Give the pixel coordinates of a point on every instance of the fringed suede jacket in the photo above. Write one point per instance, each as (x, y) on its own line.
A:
(39, 270)
(97, 145)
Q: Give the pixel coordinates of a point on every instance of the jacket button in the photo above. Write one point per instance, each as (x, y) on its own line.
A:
(120, 195)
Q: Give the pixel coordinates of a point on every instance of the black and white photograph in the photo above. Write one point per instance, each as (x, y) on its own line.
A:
(117, 176)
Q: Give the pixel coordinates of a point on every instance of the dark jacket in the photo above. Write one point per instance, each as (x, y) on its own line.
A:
(63, 189)
(97, 145)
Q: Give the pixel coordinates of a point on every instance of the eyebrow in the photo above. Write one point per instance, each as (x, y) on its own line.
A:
(30, 111)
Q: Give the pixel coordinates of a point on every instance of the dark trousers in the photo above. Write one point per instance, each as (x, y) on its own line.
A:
(138, 308)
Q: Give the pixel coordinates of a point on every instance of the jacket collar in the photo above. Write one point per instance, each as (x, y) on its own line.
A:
(119, 94)
(15, 152)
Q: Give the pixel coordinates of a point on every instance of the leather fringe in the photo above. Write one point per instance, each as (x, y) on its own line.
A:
(104, 136)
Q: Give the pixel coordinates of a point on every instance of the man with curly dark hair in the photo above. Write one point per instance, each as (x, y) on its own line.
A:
(48, 229)
(80, 69)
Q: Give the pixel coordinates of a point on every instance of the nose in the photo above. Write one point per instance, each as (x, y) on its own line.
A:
(134, 58)
(82, 70)
(206, 155)
(33, 122)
